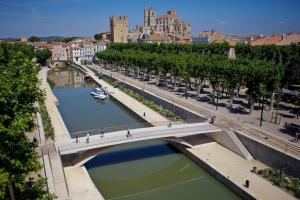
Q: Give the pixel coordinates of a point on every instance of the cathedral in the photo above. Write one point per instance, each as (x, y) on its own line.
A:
(169, 24)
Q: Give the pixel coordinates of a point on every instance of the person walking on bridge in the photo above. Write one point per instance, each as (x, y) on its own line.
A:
(88, 138)
(128, 133)
(102, 132)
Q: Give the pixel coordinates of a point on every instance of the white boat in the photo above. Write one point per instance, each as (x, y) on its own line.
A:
(100, 96)
(96, 91)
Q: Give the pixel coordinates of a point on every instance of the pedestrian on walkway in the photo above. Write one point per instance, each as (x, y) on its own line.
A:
(102, 132)
(88, 138)
(297, 136)
(144, 114)
(128, 133)
(76, 139)
(170, 125)
(212, 120)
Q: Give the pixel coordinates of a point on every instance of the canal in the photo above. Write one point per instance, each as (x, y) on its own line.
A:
(142, 170)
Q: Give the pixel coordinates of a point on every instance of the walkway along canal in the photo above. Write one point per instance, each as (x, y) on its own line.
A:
(142, 170)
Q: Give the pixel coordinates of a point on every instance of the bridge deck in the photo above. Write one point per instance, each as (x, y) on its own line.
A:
(120, 137)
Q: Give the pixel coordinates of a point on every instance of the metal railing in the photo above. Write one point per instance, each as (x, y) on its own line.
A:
(152, 132)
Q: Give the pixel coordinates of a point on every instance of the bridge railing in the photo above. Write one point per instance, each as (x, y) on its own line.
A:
(109, 129)
(154, 132)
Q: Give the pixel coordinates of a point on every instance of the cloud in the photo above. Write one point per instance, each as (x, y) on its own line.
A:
(221, 22)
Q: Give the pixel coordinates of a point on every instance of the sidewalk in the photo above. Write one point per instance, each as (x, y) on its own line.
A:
(237, 170)
(135, 106)
(268, 133)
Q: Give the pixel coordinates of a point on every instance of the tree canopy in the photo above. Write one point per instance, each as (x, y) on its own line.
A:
(97, 36)
(42, 55)
(19, 90)
(34, 39)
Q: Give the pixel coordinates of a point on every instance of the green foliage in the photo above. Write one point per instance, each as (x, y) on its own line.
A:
(97, 36)
(42, 55)
(34, 39)
(19, 90)
(164, 112)
(66, 39)
(163, 48)
(49, 132)
(280, 179)
(288, 56)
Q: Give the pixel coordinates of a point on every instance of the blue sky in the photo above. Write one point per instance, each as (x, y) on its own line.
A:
(20, 18)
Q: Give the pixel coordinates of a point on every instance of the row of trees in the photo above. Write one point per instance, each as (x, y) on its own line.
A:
(164, 48)
(288, 56)
(260, 77)
(19, 90)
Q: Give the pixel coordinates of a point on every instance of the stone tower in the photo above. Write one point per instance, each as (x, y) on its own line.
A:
(119, 29)
(149, 17)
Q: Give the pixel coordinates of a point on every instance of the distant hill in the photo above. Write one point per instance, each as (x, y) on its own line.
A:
(50, 38)
(46, 38)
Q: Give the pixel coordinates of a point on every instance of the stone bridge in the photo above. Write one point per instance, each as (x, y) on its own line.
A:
(79, 153)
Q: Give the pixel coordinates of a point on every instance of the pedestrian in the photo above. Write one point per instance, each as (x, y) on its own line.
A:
(34, 140)
(76, 139)
(170, 125)
(144, 114)
(128, 133)
(88, 138)
(297, 136)
(102, 132)
(213, 119)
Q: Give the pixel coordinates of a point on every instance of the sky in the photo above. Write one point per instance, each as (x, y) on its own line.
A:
(23, 18)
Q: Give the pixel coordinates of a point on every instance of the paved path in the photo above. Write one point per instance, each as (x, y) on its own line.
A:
(120, 137)
(74, 184)
(269, 133)
(137, 107)
(60, 130)
(80, 185)
(238, 169)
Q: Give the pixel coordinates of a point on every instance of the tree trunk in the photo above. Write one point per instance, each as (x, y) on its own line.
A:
(175, 86)
(230, 98)
(251, 104)
(11, 189)
(238, 91)
(213, 94)
(262, 111)
(272, 102)
(186, 85)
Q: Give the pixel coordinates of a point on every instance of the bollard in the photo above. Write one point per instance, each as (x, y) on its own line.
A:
(247, 183)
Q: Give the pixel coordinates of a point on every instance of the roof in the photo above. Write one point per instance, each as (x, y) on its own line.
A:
(159, 37)
(289, 39)
(270, 40)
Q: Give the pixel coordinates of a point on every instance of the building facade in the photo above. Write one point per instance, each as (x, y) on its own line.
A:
(119, 29)
(169, 24)
(61, 52)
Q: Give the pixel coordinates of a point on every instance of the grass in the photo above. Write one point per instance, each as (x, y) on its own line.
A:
(49, 132)
(164, 112)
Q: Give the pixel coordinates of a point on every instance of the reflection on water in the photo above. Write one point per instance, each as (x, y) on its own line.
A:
(135, 171)
(67, 77)
(152, 170)
(79, 110)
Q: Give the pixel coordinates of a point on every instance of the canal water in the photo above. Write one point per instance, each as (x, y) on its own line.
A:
(135, 171)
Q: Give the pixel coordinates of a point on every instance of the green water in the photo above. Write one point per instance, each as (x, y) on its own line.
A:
(145, 170)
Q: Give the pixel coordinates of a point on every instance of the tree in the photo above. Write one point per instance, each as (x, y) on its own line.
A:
(97, 36)
(18, 156)
(34, 39)
(42, 55)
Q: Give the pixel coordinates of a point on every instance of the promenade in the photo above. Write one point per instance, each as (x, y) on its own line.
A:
(67, 183)
(135, 106)
(269, 133)
(237, 170)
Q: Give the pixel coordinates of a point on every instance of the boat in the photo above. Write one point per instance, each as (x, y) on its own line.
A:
(96, 91)
(100, 96)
